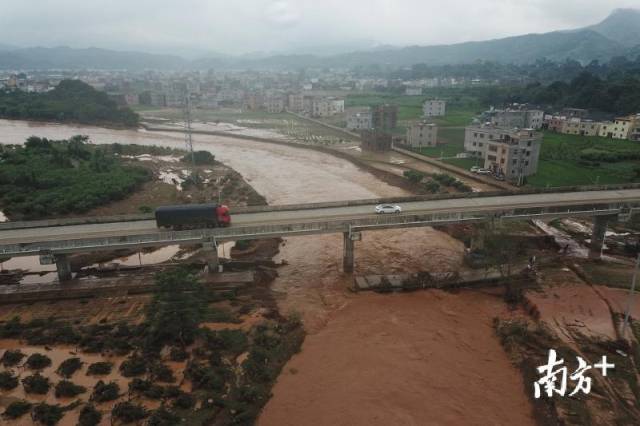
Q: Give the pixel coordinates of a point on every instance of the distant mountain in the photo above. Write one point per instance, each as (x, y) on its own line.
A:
(584, 45)
(617, 35)
(622, 26)
(91, 58)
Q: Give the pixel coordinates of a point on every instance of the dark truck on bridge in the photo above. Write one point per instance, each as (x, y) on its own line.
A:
(193, 216)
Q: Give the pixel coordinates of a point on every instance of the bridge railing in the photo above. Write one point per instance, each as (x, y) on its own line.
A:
(162, 238)
(333, 204)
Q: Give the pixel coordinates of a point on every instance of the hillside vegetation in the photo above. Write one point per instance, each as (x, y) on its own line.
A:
(71, 101)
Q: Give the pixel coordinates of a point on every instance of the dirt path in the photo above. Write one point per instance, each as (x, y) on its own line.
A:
(403, 359)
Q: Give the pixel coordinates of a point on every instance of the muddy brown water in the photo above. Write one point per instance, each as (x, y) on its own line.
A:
(436, 355)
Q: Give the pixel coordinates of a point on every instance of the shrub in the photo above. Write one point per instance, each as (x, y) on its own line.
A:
(12, 357)
(171, 392)
(36, 384)
(89, 416)
(47, 414)
(178, 354)
(38, 361)
(184, 401)
(154, 392)
(139, 385)
(204, 377)
(133, 366)
(413, 176)
(12, 328)
(161, 373)
(67, 389)
(103, 392)
(68, 367)
(99, 369)
(8, 381)
(17, 409)
(128, 412)
(201, 158)
(163, 417)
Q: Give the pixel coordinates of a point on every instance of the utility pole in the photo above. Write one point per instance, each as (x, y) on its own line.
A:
(627, 311)
(188, 137)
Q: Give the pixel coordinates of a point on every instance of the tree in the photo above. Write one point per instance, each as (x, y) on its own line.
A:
(176, 311)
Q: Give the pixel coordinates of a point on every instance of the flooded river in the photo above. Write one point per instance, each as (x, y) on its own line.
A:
(424, 346)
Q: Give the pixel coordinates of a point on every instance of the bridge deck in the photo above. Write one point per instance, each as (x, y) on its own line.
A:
(104, 236)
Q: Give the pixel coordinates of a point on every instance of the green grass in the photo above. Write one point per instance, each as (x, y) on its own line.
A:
(464, 163)
(566, 173)
(456, 117)
(409, 107)
(559, 146)
(560, 161)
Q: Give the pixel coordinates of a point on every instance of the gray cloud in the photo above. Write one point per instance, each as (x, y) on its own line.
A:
(272, 25)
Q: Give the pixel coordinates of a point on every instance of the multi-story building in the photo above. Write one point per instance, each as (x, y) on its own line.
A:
(514, 155)
(326, 107)
(521, 118)
(620, 128)
(385, 117)
(634, 133)
(296, 102)
(434, 108)
(375, 140)
(156, 99)
(571, 126)
(274, 104)
(574, 112)
(554, 123)
(476, 137)
(589, 128)
(422, 134)
(359, 119)
(132, 98)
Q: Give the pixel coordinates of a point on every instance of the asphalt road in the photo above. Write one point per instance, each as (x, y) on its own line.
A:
(32, 235)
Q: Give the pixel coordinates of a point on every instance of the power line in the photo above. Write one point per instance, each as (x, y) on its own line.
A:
(188, 132)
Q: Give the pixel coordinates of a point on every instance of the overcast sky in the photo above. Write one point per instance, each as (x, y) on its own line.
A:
(241, 26)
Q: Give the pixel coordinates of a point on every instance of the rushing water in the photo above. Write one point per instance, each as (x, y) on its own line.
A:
(447, 334)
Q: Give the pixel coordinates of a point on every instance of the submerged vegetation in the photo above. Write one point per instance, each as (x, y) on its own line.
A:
(231, 371)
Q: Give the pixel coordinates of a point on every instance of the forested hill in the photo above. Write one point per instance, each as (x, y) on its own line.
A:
(72, 101)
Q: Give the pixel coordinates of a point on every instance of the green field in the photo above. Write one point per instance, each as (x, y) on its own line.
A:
(409, 107)
(464, 163)
(562, 161)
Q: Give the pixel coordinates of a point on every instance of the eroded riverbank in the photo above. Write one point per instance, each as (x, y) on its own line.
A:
(393, 328)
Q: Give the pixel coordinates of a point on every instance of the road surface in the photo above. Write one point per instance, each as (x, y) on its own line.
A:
(507, 202)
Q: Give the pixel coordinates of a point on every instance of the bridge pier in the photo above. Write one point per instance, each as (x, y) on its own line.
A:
(477, 238)
(348, 256)
(210, 249)
(598, 235)
(63, 267)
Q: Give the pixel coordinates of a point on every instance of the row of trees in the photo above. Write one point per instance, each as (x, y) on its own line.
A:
(70, 101)
(614, 95)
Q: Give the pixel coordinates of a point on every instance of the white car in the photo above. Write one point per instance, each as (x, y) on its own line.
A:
(474, 169)
(484, 172)
(388, 208)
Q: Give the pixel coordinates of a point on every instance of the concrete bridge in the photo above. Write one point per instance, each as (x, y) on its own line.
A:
(54, 240)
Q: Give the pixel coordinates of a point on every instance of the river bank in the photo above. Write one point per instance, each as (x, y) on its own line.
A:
(313, 285)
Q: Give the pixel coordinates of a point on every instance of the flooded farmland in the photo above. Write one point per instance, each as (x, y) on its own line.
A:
(416, 341)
